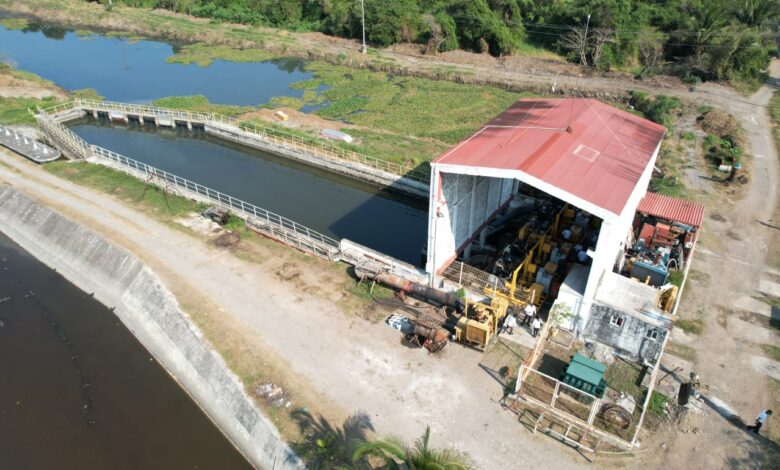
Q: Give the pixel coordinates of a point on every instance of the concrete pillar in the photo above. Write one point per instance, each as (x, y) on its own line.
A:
(189, 125)
(126, 119)
(483, 237)
(156, 121)
(141, 119)
(94, 113)
(467, 252)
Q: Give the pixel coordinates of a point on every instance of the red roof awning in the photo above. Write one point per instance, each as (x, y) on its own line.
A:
(670, 208)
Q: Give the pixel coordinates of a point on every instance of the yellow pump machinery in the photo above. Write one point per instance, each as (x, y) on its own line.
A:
(479, 324)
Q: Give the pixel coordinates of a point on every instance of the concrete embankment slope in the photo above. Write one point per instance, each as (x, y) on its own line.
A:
(120, 281)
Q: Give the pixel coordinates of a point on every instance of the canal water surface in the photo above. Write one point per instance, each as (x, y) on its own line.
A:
(79, 391)
(334, 205)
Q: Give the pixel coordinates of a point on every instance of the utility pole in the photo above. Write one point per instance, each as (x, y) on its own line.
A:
(583, 60)
(364, 48)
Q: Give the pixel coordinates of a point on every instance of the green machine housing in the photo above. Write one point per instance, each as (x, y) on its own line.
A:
(587, 375)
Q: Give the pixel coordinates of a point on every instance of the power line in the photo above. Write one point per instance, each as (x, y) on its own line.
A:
(635, 41)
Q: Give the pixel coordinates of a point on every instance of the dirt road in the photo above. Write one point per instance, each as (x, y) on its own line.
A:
(730, 272)
(350, 362)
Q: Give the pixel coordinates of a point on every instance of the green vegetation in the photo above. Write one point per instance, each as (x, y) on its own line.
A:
(680, 350)
(771, 351)
(670, 163)
(421, 456)
(127, 188)
(204, 55)
(658, 109)
(14, 23)
(694, 327)
(440, 110)
(625, 377)
(774, 113)
(676, 278)
(200, 104)
(657, 404)
(697, 40)
(14, 111)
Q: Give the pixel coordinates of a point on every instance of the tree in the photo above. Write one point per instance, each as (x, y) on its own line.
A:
(651, 48)
(600, 38)
(419, 457)
(576, 40)
(327, 447)
(757, 13)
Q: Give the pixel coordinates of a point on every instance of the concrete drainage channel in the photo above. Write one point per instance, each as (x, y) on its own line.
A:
(122, 282)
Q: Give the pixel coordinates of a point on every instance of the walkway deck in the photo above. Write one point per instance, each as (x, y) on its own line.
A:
(30, 148)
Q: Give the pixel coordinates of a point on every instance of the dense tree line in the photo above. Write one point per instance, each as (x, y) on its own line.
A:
(699, 39)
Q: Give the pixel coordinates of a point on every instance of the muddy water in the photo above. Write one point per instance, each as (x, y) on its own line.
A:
(77, 390)
(336, 206)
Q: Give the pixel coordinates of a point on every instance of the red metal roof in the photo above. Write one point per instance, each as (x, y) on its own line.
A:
(670, 208)
(591, 150)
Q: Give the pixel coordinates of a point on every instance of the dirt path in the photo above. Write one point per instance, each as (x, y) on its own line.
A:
(351, 362)
(730, 271)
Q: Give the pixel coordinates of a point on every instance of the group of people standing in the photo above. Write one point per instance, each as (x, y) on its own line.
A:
(531, 319)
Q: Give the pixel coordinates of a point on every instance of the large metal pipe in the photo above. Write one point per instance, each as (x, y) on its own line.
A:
(449, 299)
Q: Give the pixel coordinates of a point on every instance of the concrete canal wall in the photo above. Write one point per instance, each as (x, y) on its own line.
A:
(123, 283)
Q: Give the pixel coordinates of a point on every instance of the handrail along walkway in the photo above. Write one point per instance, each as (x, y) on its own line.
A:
(271, 224)
(316, 146)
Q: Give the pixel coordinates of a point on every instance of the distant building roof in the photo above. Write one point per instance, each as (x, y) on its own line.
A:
(670, 208)
(584, 147)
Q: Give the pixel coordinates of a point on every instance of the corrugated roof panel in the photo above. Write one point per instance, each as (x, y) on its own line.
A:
(591, 150)
(678, 210)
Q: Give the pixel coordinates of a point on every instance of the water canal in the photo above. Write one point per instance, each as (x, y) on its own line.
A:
(79, 391)
(331, 204)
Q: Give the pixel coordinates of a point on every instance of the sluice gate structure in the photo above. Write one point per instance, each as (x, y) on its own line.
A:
(263, 221)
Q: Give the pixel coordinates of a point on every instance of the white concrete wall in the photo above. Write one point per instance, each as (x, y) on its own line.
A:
(119, 280)
(460, 205)
(612, 241)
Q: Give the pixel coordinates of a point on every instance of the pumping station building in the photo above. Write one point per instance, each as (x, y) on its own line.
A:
(548, 204)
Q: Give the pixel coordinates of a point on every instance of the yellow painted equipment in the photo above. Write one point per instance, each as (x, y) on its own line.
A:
(480, 323)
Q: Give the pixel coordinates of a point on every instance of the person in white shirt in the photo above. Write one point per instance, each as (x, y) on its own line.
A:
(530, 312)
(509, 323)
(760, 421)
(536, 325)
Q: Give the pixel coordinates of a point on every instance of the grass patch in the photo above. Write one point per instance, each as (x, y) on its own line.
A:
(670, 162)
(204, 54)
(148, 198)
(694, 327)
(657, 404)
(625, 377)
(15, 23)
(200, 104)
(676, 278)
(771, 351)
(436, 109)
(680, 350)
(14, 110)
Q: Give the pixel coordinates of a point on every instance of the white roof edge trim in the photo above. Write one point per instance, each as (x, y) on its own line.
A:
(548, 188)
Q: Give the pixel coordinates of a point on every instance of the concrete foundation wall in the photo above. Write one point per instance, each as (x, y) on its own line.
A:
(352, 169)
(120, 281)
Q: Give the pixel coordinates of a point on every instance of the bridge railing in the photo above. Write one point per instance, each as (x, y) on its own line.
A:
(311, 144)
(270, 223)
(63, 136)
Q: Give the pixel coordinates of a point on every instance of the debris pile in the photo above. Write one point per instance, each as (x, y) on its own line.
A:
(273, 394)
